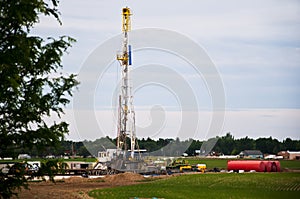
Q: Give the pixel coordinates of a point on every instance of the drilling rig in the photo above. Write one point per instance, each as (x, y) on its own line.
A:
(124, 158)
(126, 115)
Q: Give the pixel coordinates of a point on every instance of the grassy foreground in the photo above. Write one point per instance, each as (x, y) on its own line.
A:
(211, 185)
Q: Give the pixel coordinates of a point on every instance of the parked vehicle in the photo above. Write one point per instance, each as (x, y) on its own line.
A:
(24, 156)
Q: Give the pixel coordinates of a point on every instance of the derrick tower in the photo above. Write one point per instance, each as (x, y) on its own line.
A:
(126, 115)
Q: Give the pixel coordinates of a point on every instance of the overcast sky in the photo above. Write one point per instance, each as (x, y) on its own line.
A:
(254, 45)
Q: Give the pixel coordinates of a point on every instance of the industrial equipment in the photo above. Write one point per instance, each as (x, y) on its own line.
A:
(201, 167)
(182, 165)
(126, 114)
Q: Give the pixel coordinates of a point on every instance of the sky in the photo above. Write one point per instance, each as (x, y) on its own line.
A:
(252, 48)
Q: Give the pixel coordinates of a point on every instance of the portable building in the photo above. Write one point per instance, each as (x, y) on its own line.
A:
(254, 154)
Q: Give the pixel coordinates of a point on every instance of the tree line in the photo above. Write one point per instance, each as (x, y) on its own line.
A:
(229, 145)
(225, 145)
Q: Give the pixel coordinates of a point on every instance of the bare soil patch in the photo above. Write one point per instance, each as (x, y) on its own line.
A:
(78, 187)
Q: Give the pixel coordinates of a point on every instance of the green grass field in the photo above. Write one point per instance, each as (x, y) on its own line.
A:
(211, 185)
(210, 163)
(290, 164)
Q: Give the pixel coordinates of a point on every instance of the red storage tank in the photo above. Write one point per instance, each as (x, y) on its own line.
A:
(269, 166)
(246, 165)
(277, 163)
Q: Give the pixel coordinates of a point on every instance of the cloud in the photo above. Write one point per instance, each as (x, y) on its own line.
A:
(278, 123)
(255, 46)
(254, 123)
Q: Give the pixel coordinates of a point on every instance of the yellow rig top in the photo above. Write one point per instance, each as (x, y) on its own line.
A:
(126, 19)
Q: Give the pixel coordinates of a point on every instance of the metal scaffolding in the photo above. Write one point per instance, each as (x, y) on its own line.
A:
(126, 114)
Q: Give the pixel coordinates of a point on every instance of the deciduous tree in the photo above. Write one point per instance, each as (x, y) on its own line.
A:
(32, 87)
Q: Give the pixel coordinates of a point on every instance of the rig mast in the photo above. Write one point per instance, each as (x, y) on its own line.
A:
(126, 114)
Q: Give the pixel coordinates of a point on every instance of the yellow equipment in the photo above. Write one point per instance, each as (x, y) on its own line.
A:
(186, 167)
(126, 26)
(126, 20)
(201, 167)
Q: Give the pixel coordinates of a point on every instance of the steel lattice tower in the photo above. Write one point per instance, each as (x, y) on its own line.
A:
(126, 114)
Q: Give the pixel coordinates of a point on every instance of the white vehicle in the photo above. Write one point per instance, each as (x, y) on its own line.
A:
(24, 156)
(50, 157)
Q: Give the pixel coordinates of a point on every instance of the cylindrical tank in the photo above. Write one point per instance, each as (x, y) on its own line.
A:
(277, 163)
(268, 166)
(246, 165)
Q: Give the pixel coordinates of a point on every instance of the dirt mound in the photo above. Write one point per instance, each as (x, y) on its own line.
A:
(75, 180)
(124, 177)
